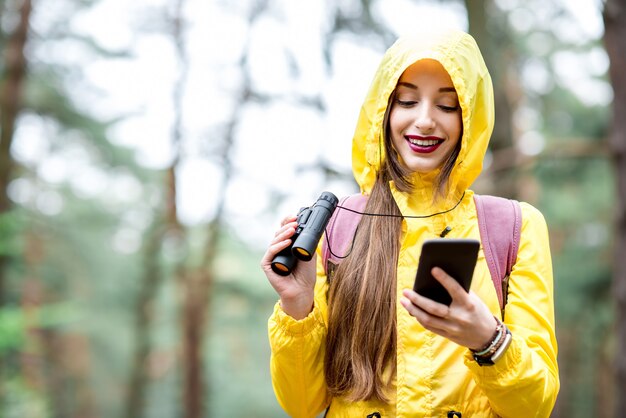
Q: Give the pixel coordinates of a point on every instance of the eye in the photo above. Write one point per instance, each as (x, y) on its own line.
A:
(406, 103)
(449, 109)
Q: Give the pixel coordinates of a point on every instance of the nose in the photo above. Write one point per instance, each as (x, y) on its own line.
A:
(424, 120)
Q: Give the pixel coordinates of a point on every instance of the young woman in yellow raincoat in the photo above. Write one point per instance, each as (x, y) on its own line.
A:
(364, 344)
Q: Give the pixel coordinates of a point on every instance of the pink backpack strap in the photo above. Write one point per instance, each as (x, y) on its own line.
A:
(341, 228)
(500, 224)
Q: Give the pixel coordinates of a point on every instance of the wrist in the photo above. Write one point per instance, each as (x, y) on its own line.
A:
(486, 335)
(297, 308)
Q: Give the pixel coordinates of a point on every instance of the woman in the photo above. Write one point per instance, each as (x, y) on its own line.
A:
(364, 344)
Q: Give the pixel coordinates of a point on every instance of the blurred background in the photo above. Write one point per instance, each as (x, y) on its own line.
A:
(150, 148)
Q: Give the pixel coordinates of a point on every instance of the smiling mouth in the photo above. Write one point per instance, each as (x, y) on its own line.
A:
(424, 145)
(425, 142)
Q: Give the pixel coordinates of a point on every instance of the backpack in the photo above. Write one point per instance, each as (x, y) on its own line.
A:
(499, 223)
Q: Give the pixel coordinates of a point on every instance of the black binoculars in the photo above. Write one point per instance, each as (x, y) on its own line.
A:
(311, 224)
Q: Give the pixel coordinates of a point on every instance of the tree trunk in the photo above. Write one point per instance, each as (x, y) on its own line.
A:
(196, 285)
(51, 361)
(150, 284)
(496, 48)
(11, 97)
(615, 42)
(11, 87)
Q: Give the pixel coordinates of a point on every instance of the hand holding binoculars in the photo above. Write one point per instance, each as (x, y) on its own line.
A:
(312, 222)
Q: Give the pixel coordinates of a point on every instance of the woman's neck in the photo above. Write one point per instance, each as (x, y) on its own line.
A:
(424, 197)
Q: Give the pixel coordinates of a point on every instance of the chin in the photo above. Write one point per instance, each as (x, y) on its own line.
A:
(423, 169)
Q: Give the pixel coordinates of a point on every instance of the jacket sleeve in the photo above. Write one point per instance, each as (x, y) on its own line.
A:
(297, 360)
(525, 381)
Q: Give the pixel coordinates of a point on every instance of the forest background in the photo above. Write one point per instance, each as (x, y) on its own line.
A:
(148, 150)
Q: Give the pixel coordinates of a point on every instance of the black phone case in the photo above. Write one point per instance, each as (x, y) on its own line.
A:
(457, 257)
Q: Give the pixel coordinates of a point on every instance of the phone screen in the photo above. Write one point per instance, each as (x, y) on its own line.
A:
(457, 257)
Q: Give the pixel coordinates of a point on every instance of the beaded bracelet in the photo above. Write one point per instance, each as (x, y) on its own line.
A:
(491, 346)
(496, 348)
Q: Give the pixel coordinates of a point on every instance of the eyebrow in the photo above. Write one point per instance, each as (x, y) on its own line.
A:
(414, 87)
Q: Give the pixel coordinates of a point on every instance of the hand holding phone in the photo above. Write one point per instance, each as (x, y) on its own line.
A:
(457, 257)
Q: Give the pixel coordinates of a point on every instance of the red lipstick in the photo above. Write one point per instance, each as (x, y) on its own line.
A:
(423, 144)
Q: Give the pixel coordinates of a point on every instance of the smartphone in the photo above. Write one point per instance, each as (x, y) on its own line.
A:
(457, 257)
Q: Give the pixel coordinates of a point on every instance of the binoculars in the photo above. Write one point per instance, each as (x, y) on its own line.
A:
(311, 224)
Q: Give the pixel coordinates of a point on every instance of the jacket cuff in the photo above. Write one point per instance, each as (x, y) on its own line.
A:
(294, 327)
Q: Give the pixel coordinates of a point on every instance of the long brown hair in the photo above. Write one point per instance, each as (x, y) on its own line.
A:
(360, 361)
(361, 342)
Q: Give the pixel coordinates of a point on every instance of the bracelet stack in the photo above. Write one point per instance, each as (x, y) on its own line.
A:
(495, 348)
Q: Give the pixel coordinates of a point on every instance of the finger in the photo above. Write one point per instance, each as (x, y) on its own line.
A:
(272, 250)
(288, 226)
(288, 219)
(427, 304)
(411, 308)
(453, 287)
(429, 322)
(281, 240)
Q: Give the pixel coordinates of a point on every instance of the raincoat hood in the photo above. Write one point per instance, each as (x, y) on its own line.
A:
(459, 55)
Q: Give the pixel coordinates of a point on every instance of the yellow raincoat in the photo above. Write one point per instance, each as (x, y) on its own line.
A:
(434, 375)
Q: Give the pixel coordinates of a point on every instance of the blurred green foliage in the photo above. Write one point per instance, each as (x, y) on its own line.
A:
(69, 318)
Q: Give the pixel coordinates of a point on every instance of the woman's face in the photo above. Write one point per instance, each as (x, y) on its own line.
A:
(425, 117)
